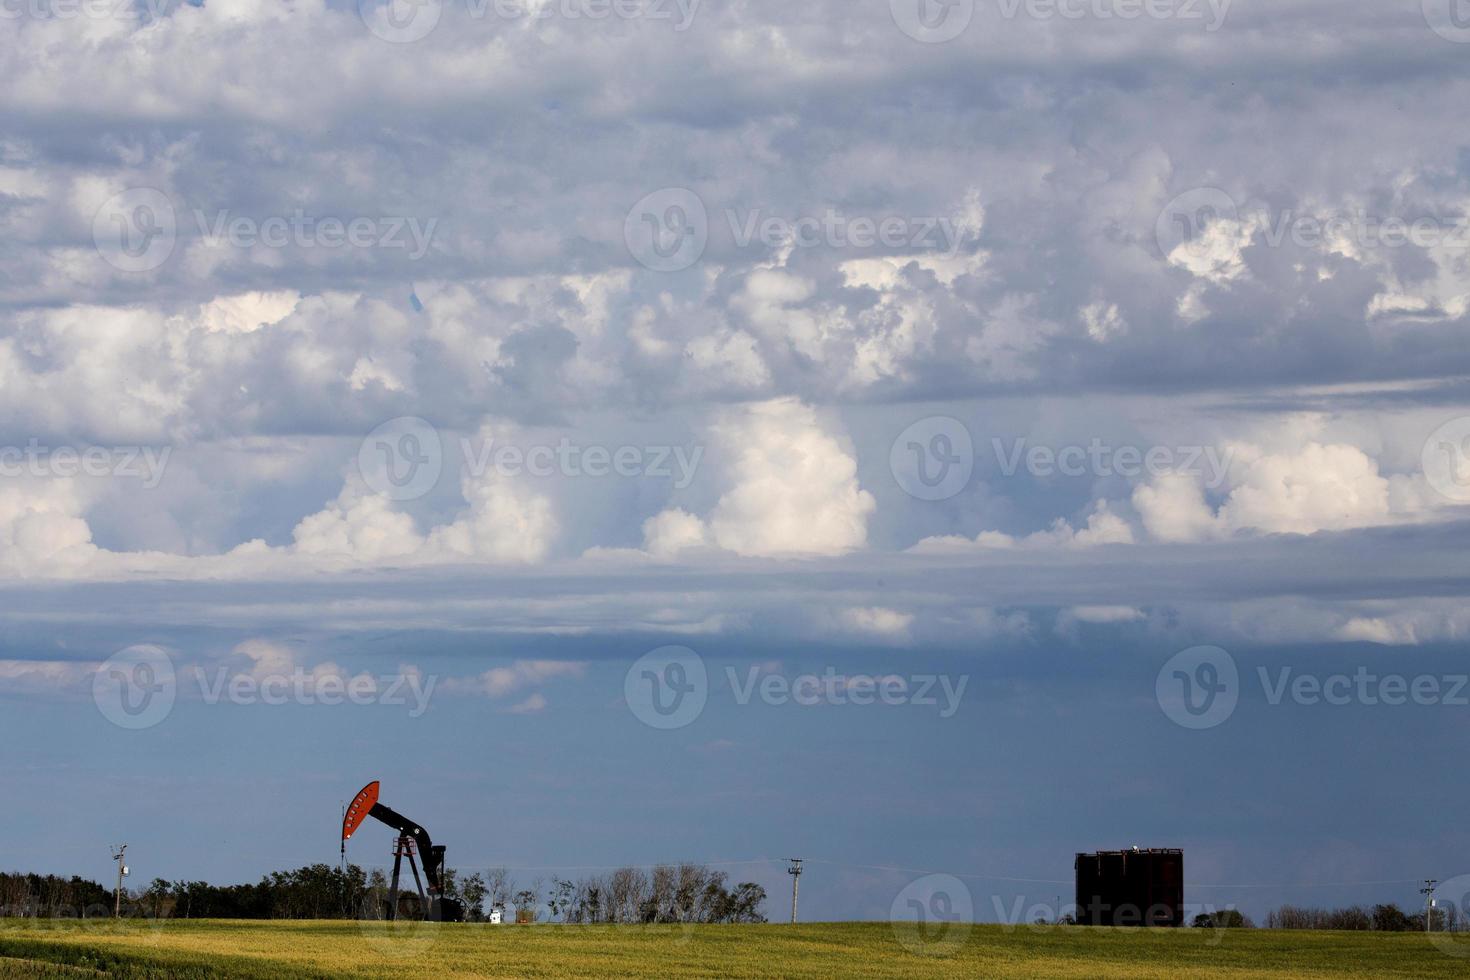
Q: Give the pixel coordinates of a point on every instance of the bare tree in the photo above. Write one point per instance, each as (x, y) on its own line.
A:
(591, 902)
(499, 886)
(627, 893)
(660, 904)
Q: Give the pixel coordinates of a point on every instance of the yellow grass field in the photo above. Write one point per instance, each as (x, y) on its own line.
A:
(336, 949)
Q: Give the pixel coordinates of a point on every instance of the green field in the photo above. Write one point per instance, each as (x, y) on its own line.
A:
(336, 949)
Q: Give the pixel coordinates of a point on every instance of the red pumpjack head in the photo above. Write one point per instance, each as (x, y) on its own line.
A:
(357, 812)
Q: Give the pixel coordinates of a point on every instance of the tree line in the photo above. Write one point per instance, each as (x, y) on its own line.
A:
(678, 893)
(670, 893)
(1353, 918)
(51, 897)
(1356, 918)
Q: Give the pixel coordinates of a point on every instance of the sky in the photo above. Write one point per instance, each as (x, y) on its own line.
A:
(930, 439)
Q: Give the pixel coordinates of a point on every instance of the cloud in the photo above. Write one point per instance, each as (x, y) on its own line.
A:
(281, 670)
(1217, 253)
(359, 525)
(534, 704)
(1173, 508)
(1103, 527)
(1380, 631)
(1042, 296)
(876, 621)
(1314, 488)
(793, 489)
(1319, 487)
(45, 676)
(672, 531)
(501, 682)
(502, 521)
(41, 530)
(1407, 624)
(1106, 614)
(1103, 320)
(1280, 588)
(267, 662)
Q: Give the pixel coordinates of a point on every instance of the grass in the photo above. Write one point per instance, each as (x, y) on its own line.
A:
(267, 950)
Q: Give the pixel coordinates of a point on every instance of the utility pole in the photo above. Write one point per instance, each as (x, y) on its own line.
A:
(1428, 892)
(795, 872)
(122, 869)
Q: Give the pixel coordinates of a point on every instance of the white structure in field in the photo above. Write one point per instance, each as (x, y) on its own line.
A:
(497, 915)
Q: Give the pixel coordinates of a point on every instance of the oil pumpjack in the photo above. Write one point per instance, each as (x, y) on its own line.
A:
(412, 839)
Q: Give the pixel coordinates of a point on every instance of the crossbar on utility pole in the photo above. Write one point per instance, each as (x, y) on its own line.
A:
(795, 872)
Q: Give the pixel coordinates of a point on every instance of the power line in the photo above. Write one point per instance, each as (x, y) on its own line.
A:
(610, 867)
(1068, 881)
(956, 874)
(1314, 884)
